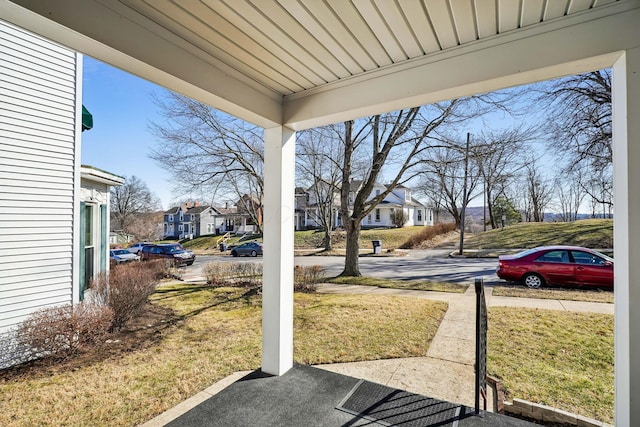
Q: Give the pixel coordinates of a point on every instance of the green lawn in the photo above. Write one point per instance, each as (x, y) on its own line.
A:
(217, 332)
(560, 359)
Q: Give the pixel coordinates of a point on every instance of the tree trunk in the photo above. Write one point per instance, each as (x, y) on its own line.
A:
(351, 263)
(326, 240)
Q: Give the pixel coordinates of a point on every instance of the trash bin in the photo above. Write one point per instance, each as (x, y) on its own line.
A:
(223, 247)
(377, 246)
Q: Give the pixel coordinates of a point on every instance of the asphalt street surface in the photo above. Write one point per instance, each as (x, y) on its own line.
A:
(432, 265)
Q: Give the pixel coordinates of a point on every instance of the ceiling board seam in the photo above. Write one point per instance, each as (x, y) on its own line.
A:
(301, 46)
(336, 40)
(411, 30)
(453, 23)
(285, 34)
(241, 18)
(433, 28)
(222, 35)
(355, 38)
(476, 26)
(390, 29)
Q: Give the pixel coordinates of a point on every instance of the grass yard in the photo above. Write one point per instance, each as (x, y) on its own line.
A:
(210, 333)
(592, 233)
(418, 285)
(561, 359)
(566, 294)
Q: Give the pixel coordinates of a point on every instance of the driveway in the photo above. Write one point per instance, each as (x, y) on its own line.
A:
(431, 264)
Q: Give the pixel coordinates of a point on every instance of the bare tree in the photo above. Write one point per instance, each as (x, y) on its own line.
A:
(207, 151)
(599, 187)
(147, 226)
(499, 158)
(580, 122)
(319, 166)
(443, 178)
(569, 194)
(397, 142)
(129, 199)
(539, 192)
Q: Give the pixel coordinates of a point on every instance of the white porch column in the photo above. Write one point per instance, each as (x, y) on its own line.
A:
(626, 241)
(277, 292)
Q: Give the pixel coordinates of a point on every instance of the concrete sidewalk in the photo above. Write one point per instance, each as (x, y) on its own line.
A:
(447, 370)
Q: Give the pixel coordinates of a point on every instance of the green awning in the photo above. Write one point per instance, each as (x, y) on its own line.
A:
(87, 119)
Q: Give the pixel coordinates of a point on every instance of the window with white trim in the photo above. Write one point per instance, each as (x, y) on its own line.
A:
(170, 218)
(378, 215)
(419, 214)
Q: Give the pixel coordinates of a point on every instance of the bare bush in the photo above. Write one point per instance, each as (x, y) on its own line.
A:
(126, 289)
(306, 278)
(428, 233)
(244, 274)
(60, 332)
(249, 275)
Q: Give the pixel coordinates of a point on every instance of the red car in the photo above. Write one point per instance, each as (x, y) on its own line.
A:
(557, 265)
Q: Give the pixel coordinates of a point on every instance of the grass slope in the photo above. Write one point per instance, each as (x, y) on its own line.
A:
(593, 233)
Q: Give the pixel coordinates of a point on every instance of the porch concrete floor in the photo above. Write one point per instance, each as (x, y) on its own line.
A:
(303, 396)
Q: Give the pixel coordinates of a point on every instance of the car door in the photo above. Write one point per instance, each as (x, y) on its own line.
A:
(592, 270)
(556, 267)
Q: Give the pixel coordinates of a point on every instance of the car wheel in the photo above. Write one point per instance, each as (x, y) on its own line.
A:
(533, 280)
(234, 253)
(254, 253)
(190, 263)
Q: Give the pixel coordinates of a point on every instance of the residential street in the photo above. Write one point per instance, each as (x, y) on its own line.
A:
(431, 264)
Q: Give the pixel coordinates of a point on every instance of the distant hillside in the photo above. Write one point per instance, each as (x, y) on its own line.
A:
(592, 233)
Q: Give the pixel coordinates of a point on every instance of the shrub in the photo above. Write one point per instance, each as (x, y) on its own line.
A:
(126, 289)
(249, 275)
(305, 278)
(428, 233)
(242, 274)
(60, 332)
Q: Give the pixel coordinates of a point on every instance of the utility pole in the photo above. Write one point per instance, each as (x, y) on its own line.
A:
(464, 194)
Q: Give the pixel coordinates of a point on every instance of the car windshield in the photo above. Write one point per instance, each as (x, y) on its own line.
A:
(120, 252)
(173, 248)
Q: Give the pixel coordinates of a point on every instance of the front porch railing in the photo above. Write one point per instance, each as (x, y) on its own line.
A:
(481, 345)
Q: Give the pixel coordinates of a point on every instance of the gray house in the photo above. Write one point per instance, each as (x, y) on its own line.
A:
(189, 220)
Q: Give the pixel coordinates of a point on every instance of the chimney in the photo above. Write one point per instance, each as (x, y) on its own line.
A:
(187, 205)
(226, 205)
(196, 204)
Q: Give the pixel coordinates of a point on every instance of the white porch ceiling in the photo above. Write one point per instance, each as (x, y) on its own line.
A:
(289, 46)
(304, 63)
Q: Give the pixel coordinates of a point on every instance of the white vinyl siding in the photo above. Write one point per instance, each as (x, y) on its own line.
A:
(38, 105)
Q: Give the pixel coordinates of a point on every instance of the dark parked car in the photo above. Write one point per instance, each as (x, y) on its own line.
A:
(120, 256)
(137, 247)
(557, 265)
(248, 249)
(173, 251)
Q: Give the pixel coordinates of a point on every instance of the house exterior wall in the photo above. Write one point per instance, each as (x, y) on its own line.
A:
(39, 174)
(95, 197)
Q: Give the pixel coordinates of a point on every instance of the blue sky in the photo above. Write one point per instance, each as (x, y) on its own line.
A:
(120, 142)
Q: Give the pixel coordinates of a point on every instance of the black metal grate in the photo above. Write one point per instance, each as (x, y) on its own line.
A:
(389, 407)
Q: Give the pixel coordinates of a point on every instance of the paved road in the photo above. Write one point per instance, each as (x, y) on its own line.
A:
(417, 264)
